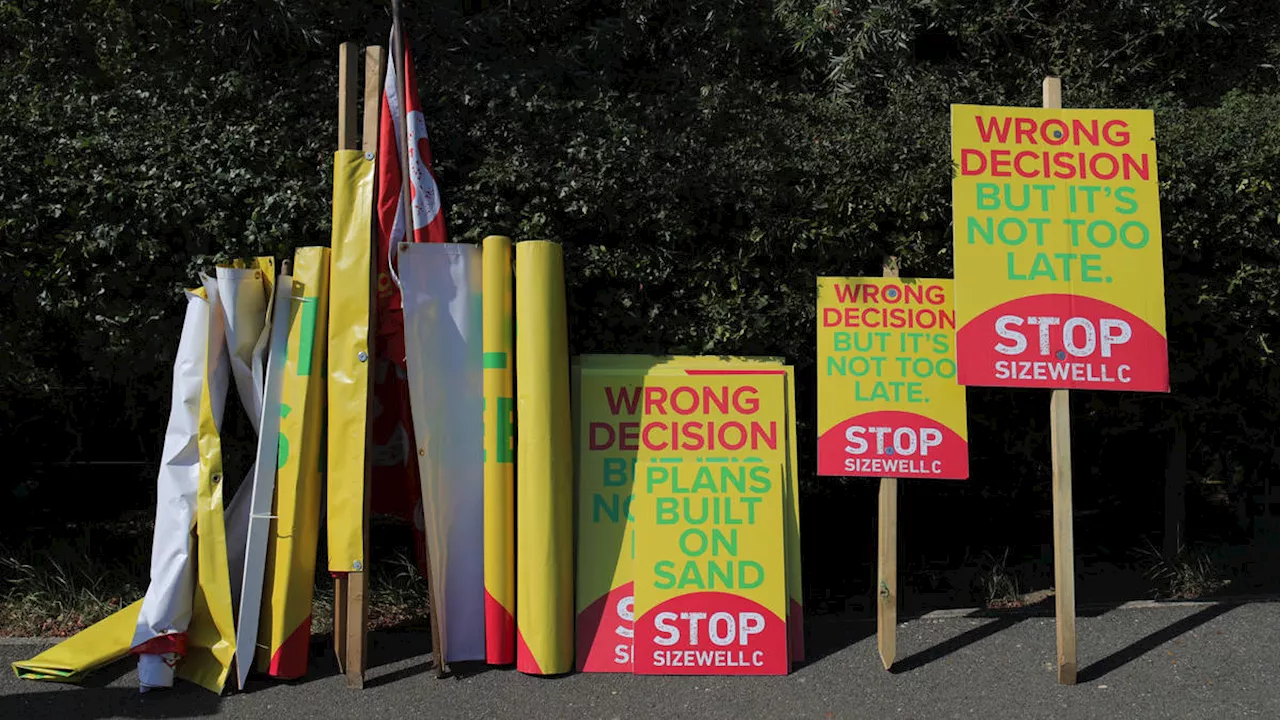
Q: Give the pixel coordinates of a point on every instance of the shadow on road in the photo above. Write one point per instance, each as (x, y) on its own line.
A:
(1122, 657)
(829, 634)
(184, 700)
(423, 669)
(389, 648)
(1000, 620)
(945, 648)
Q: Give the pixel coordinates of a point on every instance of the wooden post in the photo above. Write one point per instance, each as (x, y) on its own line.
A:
(887, 555)
(356, 609)
(348, 137)
(1064, 555)
(397, 59)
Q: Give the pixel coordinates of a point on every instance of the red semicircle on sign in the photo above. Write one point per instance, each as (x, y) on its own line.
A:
(724, 643)
(1062, 341)
(854, 448)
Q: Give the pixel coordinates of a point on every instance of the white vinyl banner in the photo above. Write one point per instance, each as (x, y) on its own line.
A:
(243, 296)
(243, 293)
(441, 286)
(160, 636)
(166, 608)
(263, 485)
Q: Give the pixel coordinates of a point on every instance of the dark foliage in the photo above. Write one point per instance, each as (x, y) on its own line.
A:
(701, 161)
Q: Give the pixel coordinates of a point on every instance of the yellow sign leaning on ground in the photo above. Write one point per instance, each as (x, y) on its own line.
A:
(710, 557)
(609, 409)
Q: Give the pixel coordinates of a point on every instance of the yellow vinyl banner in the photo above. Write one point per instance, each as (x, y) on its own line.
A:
(604, 398)
(349, 357)
(710, 558)
(99, 644)
(499, 455)
(1059, 279)
(544, 464)
(285, 629)
(211, 636)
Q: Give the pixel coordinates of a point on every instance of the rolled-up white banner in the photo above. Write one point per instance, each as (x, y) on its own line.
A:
(441, 286)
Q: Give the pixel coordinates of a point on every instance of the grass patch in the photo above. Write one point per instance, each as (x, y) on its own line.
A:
(997, 583)
(64, 584)
(75, 575)
(1188, 575)
(397, 596)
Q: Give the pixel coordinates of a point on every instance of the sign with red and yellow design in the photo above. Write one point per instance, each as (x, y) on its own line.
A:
(710, 557)
(1057, 249)
(615, 396)
(889, 404)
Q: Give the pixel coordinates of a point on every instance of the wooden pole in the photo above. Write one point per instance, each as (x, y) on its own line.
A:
(348, 138)
(406, 216)
(887, 556)
(1064, 575)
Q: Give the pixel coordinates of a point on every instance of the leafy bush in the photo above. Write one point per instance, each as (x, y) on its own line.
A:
(701, 162)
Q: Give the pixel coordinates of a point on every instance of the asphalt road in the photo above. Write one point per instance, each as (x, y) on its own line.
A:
(1186, 661)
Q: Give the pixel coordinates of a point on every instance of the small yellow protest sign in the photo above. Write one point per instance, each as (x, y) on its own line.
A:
(888, 401)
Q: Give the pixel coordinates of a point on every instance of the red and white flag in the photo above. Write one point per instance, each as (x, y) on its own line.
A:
(395, 471)
(427, 219)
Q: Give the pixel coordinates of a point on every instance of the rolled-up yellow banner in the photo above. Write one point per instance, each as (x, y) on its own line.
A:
(285, 629)
(499, 456)
(544, 464)
(349, 358)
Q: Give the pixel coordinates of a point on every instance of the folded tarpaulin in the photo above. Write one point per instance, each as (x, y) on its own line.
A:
(160, 637)
(185, 621)
(211, 641)
(97, 645)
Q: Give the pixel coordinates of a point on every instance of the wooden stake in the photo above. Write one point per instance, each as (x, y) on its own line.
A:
(348, 137)
(402, 81)
(348, 97)
(1064, 555)
(887, 556)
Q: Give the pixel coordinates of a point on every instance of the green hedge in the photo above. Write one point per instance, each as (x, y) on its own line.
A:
(701, 161)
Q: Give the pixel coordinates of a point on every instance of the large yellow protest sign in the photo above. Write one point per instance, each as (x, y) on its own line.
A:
(888, 401)
(1057, 249)
(710, 572)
